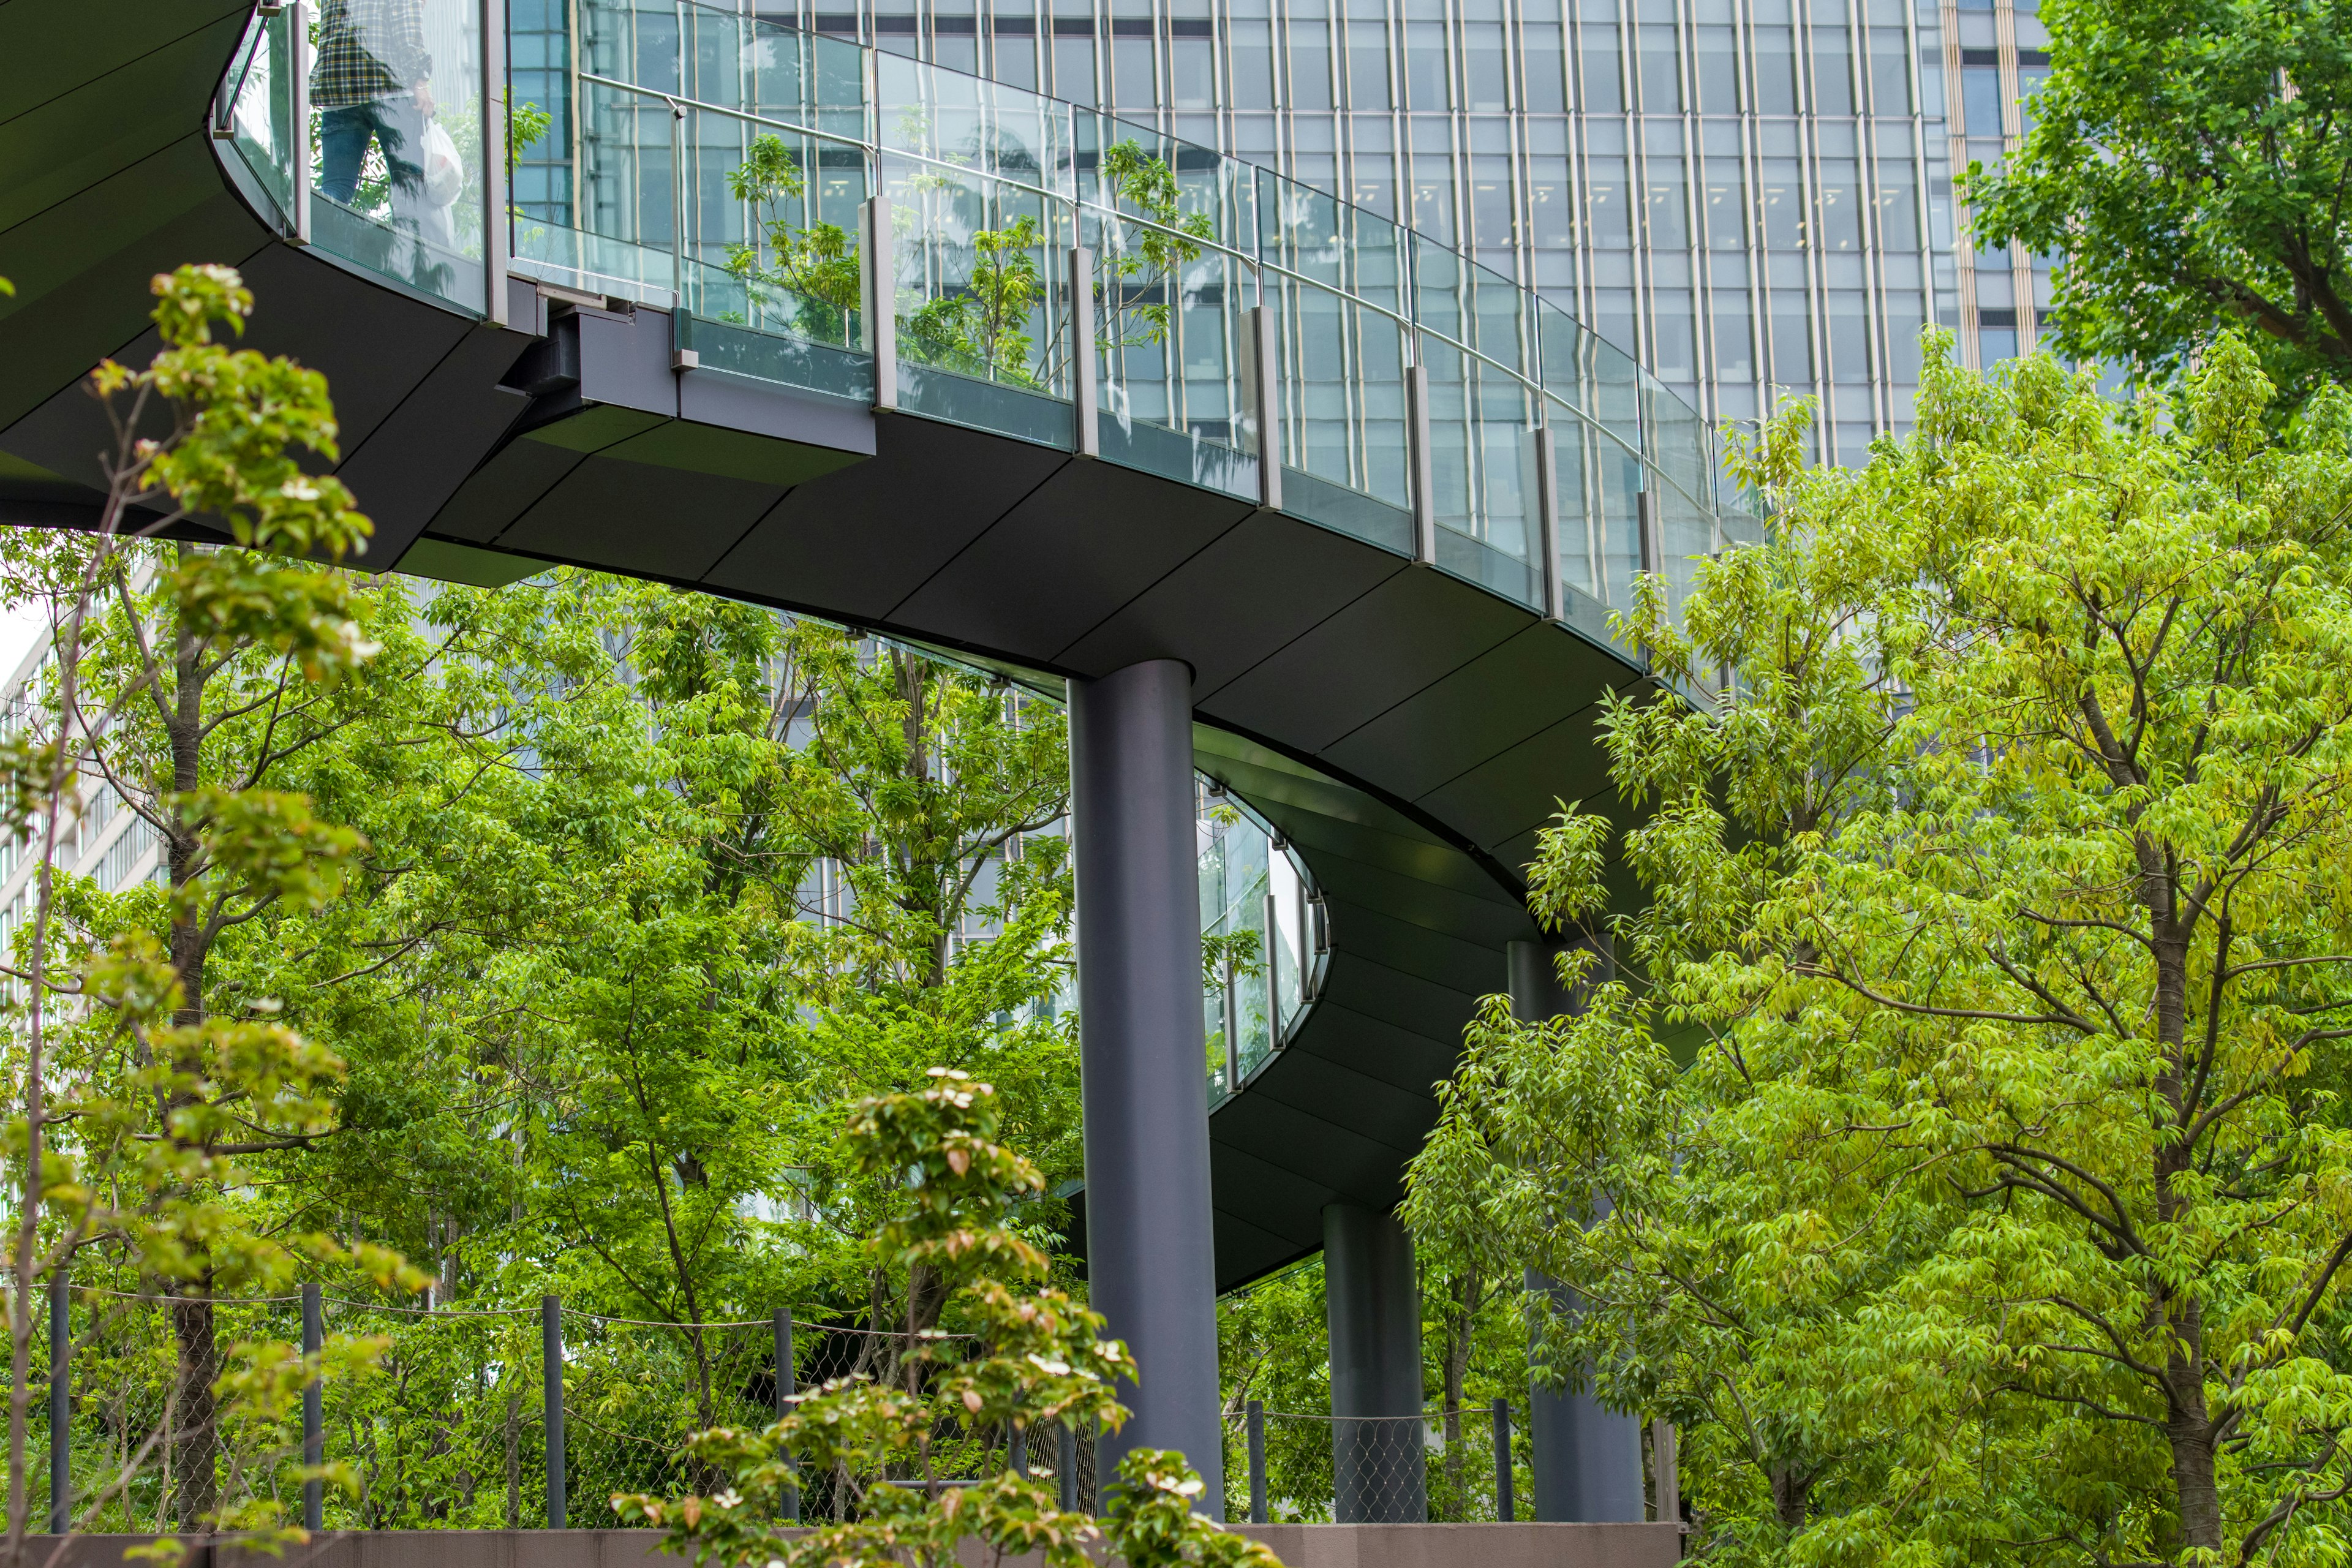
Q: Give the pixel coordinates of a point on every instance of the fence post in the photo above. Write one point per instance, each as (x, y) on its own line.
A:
(1257, 1461)
(1016, 1452)
(1069, 1467)
(1665, 1471)
(1504, 1506)
(314, 1413)
(787, 1384)
(551, 1341)
(60, 1408)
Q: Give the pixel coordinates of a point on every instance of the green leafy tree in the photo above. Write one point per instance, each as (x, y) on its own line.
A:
(815, 263)
(143, 1102)
(2002, 1214)
(983, 328)
(1146, 263)
(1040, 1364)
(2187, 159)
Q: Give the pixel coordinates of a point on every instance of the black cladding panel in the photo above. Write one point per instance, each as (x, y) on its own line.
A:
(636, 518)
(1413, 629)
(1489, 705)
(1251, 590)
(860, 539)
(1066, 557)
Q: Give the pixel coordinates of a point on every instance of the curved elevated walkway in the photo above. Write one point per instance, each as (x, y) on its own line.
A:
(1406, 727)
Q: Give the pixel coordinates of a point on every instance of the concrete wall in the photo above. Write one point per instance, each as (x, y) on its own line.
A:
(1299, 1546)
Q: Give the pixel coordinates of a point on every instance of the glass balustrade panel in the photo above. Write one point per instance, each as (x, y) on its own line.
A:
(260, 96)
(396, 138)
(740, 199)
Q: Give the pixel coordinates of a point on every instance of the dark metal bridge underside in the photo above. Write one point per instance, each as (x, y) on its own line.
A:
(1409, 732)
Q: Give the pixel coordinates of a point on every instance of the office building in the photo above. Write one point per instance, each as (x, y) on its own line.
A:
(1753, 197)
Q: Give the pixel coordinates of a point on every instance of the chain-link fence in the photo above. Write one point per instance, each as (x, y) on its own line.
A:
(1296, 1467)
(449, 1426)
(441, 1418)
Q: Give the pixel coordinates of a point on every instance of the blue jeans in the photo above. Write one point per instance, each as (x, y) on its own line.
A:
(393, 124)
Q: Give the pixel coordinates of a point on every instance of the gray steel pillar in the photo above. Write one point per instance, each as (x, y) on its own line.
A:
(550, 1352)
(1587, 1458)
(1505, 1508)
(1142, 1058)
(61, 1407)
(314, 1409)
(1372, 1308)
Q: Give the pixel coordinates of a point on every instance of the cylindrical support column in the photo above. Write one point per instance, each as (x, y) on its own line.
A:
(1586, 1457)
(1665, 1471)
(1372, 1310)
(1505, 1506)
(314, 1410)
(61, 1407)
(1257, 1461)
(1069, 1471)
(786, 1386)
(1150, 1245)
(551, 1349)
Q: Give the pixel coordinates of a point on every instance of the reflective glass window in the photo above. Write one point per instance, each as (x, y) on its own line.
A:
(1661, 82)
(1715, 67)
(1603, 93)
(1832, 72)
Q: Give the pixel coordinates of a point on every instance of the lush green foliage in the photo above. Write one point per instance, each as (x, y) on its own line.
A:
(2002, 1214)
(1039, 1364)
(2187, 160)
(548, 936)
(141, 1100)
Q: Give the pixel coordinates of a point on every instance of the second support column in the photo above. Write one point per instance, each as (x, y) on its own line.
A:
(1151, 1243)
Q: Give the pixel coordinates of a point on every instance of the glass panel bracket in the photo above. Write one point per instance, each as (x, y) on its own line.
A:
(1087, 424)
(877, 289)
(1262, 386)
(495, 205)
(299, 52)
(1547, 467)
(1424, 482)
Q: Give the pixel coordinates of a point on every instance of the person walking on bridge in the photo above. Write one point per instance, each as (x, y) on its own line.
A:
(374, 82)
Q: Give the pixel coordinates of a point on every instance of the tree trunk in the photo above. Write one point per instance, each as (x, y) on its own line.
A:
(198, 1437)
(1792, 1497)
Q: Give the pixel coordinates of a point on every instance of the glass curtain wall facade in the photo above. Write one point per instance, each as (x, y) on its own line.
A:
(1751, 197)
(2003, 56)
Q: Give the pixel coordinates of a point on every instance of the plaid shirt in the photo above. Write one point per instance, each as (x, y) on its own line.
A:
(369, 50)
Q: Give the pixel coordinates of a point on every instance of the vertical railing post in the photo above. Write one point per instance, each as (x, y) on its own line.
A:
(1555, 586)
(1265, 394)
(1066, 1461)
(1418, 445)
(1652, 541)
(61, 1406)
(786, 1385)
(1505, 1505)
(677, 211)
(1272, 962)
(298, 32)
(314, 1415)
(1087, 424)
(878, 295)
(1257, 1461)
(551, 1340)
(495, 174)
(1232, 1021)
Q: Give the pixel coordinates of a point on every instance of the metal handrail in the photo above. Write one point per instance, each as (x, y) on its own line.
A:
(1258, 266)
